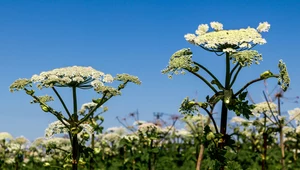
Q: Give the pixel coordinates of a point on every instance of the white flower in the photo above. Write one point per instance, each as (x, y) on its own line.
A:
(58, 128)
(108, 78)
(263, 27)
(190, 38)
(69, 76)
(237, 119)
(111, 137)
(287, 129)
(148, 127)
(216, 26)
(228, 50)
(298, 129)
(183, 133)
(295, 114)
(263, 107)
(87, 106)
(220, 40)
(21, 140)
(5, 135)
(202, 29)
(131, 137)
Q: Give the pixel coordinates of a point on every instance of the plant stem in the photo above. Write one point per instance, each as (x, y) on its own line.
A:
(208, 72)
(251, 82)
(204, 80)
(62, 102)
(235, 76)
(75, 144)
(281, 136)
(224, 108)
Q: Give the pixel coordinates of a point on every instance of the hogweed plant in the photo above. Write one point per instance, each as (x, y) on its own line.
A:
(76, 77)
(237, 48)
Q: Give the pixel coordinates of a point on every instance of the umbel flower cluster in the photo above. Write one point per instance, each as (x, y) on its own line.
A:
(220, 40)
(75, 76)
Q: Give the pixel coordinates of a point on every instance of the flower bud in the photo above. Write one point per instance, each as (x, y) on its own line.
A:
(44, 108)
(30, 92)
(266, 74)
(210, 136)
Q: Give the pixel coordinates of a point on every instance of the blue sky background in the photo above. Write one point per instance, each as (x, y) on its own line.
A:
(135, 37)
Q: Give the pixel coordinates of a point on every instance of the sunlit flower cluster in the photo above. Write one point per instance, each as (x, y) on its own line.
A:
(181, 59)
(263, 107)
(295, 114)
(5, 136)
(86, 107)
(43, 99)
(183, 133)
(128, 78)
(221, 40)
(284, 78)
(240, 120)
(148, 126)
(246, 58)
(75, 76)
(58, 128)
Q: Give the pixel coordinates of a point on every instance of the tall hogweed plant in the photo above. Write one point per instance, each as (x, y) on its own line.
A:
(75, 78)
(236, 46)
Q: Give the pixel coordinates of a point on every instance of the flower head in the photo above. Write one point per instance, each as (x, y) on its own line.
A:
(181, 59)
(284, 78)
(246, 58)
(127, 78)
(263, 107)
(75, 76)
(5, 135)
(263, 27)
(216, 26)
(295, 114)
(221, 40)
(19, 84)
(202, 29)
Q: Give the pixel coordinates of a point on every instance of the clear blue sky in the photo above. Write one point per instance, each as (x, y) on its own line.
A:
(135, 37)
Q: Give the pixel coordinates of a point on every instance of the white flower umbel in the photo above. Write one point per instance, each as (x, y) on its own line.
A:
(295, 114)
(287, 129)
(239, 120)
(263, 27)
(263, 107)
(5, 136)
(58, 128)
(216, 26)
(77, 76)
(221, 40)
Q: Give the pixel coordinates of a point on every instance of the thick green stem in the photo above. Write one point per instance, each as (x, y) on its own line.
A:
(204, 80)
(224, 113)
(62, 102)
(75, 144)
(75, 152)
(208, 72)
(235, 76)
(212, 118)
(224, 108)
(75, 114)
(251, 82)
